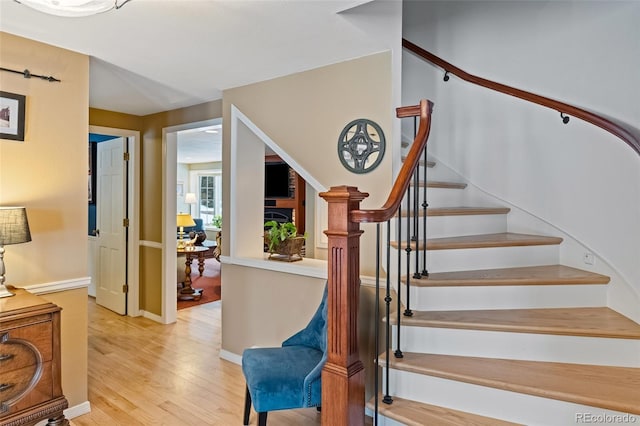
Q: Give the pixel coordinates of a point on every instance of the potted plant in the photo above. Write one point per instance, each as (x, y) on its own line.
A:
(217, 221)
(283, 241)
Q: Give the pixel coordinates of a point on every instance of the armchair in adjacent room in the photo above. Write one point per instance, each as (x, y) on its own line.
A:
(198, 227)
(287, 377)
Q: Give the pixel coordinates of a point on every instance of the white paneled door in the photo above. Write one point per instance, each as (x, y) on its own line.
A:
(111, 235)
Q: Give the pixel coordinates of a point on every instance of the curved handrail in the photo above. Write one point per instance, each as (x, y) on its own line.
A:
(403, 180)
(628, 133)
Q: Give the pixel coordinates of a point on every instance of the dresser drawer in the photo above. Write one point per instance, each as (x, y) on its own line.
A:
(17, 345)
(22, 388)
(30, 361)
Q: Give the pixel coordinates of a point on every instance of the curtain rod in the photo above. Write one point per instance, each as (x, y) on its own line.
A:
(27, 74)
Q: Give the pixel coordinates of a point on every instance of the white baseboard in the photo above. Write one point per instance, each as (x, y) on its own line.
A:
(72, 412)
(78, 410)
(231, 357)
(152, 317)
(57, 286)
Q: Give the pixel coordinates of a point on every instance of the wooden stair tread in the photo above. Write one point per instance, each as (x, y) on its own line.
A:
(441, 184)
(460, 211)
(613, 388)
(429, 163)
(586, 322)
(529, 275)
(506, 239)
(414, 413)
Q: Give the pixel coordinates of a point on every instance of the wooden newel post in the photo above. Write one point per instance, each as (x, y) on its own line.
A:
(343, 374)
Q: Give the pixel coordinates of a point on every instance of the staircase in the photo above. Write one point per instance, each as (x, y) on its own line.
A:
(500, 332)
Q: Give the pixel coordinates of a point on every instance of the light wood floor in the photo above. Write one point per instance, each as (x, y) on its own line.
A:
(145, 373)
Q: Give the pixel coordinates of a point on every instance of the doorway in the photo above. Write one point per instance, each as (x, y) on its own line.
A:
(120, 294)
(172, 187)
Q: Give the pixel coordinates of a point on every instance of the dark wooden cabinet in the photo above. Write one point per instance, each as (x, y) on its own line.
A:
(30, 374)
(294, 204)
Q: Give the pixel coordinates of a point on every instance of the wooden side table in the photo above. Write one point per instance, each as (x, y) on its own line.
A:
(30, 376)
(188, 292)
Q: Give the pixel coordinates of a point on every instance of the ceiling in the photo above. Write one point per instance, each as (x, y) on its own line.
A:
(157, 55)
(200, 145)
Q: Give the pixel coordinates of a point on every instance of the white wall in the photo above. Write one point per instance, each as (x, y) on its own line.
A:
(577, 177)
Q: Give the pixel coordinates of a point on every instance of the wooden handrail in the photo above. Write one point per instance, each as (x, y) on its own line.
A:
(411, 162)
(628, 133)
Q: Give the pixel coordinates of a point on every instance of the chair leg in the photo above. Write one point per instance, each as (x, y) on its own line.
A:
(247, 407)
(262, 419)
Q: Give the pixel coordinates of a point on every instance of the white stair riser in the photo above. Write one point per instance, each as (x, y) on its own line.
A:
(385, 421)
(521, 346)
(452, 226)
(504, 297)
(439, 172)
(490, 402)
(478, 258)
(448, 197)
(440, 197)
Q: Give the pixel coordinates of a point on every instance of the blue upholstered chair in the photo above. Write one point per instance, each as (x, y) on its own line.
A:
(199, 226)
(287, 377)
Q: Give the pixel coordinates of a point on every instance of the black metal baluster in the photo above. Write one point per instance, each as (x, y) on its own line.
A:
(416, 211)
(387, 299)
(407, 310)
(377, 326)
(398, 352)
(425, 204)
(416, 194)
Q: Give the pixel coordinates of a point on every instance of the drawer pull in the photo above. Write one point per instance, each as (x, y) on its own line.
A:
(5, 357)
(6, 386)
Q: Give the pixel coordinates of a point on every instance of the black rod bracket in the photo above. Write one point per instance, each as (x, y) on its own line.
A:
(565, 118)
(28, 74)
(446, 76)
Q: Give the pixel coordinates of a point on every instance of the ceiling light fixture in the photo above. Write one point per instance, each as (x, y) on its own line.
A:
(73, 8)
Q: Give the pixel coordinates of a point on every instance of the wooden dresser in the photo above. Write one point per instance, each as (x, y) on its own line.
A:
(30, 376)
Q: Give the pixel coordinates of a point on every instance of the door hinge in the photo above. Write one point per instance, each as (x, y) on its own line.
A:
(126, 156)
(125, 288)
(125, 222)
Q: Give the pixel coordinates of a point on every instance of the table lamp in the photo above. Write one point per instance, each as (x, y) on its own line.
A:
(14, 229)
(182, 220)
(190, 198)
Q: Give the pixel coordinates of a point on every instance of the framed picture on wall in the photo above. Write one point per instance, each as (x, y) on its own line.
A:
(12, 108)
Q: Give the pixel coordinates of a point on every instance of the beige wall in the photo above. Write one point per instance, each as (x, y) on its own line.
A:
(47, 173)
(304, 114)
(151, 169)
(74, 358)
(264, 309)
(116, 120)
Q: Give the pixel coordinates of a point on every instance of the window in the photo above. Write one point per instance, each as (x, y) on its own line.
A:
(210, 199)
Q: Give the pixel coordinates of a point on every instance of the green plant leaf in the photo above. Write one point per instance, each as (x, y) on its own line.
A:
(278, 232)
